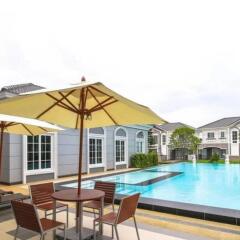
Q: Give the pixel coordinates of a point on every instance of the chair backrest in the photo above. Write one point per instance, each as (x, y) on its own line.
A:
(127, 208)
(41, 193)
(108, 188)
(26, 216)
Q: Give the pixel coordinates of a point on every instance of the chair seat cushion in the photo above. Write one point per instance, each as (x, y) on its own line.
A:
(48, 224)
(108, 218)
(50, 206)
(94, 204)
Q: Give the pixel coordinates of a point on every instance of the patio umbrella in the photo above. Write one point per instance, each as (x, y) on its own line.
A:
(82, 106)
(25, 126)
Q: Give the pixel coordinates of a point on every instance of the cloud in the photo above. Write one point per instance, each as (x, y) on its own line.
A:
(180, 58)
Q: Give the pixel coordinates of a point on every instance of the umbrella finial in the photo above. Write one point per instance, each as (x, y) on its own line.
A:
(83, 79)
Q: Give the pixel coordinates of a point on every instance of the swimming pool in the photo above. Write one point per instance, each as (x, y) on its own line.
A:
(214, 185)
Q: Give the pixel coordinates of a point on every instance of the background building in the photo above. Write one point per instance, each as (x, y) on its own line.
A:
(160, 135)
(221, 137)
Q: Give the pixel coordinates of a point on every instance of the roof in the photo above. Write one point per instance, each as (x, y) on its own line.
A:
(21, 88)
(171, 126)
(224, 122)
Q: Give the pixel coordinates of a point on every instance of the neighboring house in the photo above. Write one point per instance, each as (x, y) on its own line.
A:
(53, 155)
(221, 137)
(160, 140)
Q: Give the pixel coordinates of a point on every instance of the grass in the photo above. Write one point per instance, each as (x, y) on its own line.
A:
(237, 161)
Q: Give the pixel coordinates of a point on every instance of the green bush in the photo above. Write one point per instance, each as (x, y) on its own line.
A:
(141, 160)
(215, 158)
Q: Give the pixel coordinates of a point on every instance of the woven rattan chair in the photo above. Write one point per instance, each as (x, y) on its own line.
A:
(26, 216)
(41, 197)
(127, 209)
(109, 189)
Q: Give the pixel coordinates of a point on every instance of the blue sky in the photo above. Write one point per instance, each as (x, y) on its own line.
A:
(181, 58)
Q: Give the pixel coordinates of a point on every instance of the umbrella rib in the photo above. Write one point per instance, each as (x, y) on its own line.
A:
(61, 104)
(103, 108)
(53, 105)
(27, 129)
(98, 107)
(68, 101)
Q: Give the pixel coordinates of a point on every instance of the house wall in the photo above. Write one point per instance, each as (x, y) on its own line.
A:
(67, 154)
(5, 169)
(68, 149)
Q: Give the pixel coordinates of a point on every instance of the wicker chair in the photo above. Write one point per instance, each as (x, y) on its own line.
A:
(109, 189)
(126, 210)
(26, 216)
(41, 197)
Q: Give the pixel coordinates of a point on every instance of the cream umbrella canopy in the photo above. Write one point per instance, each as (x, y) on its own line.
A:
(82, 106)
(24, 126)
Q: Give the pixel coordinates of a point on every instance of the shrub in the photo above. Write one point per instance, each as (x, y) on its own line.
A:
(215, 157)
(141, 160)
(152, 158)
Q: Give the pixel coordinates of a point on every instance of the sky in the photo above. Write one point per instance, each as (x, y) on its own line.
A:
(180, 58)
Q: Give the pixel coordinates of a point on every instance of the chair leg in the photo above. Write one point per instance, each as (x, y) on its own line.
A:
(116, 232)
(135, 223)
(42, 237)
(94, 230)
(112, 232)
(67, 212)
(16, 232)
(64, 232)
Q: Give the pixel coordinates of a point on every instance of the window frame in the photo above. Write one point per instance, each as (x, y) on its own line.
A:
(222, 135)
(164, 143)
(234, 140)
(121, 138)
(103, 138)
(140, 140)
(52, 156)
(209, 133)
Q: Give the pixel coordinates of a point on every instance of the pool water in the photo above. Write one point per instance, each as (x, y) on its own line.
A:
(216, 185)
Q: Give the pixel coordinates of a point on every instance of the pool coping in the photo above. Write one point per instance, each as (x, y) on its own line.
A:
(217, 214)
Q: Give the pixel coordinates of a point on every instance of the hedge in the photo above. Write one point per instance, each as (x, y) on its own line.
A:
(141, 160)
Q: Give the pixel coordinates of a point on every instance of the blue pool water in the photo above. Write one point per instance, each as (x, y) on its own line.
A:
(216, 185)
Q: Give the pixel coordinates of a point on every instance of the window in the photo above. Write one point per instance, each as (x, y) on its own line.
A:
(39, 152)
(210, 135)
(120, 151)
(120, 145)
(163, 139)
(95, 150)
(140, 142)
(96, 140)
(234, 136)
(222, 134)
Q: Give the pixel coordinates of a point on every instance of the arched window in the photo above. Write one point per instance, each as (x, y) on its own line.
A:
(96, 146)
(140, 142)
(120, 146)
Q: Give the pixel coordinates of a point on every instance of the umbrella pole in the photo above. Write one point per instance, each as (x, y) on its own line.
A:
(82, 106)
(80, 154)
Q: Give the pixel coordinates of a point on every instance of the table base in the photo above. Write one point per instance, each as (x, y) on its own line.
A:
(87, 233)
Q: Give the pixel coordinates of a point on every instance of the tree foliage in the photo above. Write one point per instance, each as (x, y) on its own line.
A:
(185, 138)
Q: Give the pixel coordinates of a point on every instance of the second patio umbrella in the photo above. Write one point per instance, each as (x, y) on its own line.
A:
(24, 126)
(82, 106)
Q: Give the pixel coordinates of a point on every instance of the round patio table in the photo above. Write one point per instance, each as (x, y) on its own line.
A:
(71, 195)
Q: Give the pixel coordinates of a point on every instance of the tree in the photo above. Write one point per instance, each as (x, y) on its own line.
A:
(184, 138)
